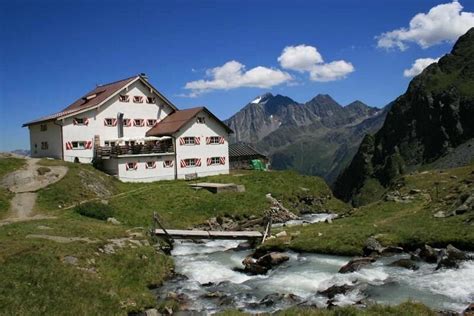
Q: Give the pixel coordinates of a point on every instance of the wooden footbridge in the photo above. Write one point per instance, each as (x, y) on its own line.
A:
(208, 234)
(171, 234)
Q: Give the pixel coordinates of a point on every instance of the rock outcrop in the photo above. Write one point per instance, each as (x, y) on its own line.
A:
(427, 122)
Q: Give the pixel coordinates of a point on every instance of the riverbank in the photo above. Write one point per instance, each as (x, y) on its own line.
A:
(422, 208)
(68, 263)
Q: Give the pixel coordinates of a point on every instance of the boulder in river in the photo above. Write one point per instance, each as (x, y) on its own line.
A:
(356, 264)
(335, 290)
(449, 258)
(260, 262)
(372, 246)
(428, 254)
(405, 263)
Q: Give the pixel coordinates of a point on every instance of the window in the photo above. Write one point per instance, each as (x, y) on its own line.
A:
(150, 100)
(138, 122)
(151, 164)
(168, 163)
(201, 120)
(124, 98)
(109, 143)
(43, 127)
(80, 121)
(137, 99)
(44, 145)
(188, 140)
(191, 163)
(150, 122)
(78, 145)
(130, 143)
(110, 122)
(131, 166)
(214, 161)
(213, 140)
(127, 122)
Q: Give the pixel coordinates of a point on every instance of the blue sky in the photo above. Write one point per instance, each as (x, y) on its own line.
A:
(52, 52)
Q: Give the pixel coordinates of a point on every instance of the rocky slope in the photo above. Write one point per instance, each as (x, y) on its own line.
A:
(428, 122)
(318, 137)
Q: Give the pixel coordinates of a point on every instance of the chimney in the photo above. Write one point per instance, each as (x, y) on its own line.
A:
(144, 76)
(120, 124)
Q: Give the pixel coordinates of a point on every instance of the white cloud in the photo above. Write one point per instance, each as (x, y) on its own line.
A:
(233, 75)
(332, 71)
(443, 23)
(300, 58)
(418, 66)
(305, 58)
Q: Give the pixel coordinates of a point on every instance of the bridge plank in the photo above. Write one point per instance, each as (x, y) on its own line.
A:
(204, 234)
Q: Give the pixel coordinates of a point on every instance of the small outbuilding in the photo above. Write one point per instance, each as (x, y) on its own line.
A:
(242, 155)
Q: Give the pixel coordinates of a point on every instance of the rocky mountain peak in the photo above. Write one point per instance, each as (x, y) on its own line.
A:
(423, 125)
(324, 100)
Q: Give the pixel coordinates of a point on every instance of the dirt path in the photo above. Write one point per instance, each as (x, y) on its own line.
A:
(25, 182)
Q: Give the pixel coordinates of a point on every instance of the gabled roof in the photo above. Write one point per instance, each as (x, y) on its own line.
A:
(96, 98)
(243, 150)
(175, 121)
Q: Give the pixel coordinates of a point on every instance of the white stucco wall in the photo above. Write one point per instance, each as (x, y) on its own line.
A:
(203, 151)
(110, 109)
(52, 135)
(142, 174)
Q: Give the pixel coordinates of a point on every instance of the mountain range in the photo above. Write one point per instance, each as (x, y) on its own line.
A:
(432, 124)
(318, 137)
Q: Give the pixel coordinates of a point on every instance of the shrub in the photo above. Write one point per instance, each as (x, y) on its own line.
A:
(95, 210)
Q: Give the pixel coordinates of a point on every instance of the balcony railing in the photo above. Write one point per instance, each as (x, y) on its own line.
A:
(138, 149)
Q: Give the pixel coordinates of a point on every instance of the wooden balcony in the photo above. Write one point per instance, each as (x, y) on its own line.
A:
(105, 152)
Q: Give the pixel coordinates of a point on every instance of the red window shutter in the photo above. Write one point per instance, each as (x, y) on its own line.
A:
(183, 163)
(209, 161)
(74, 121)
(208, 140)
(114, 122)
(68, 146)
(181, 140)
(197, 140)
(86, 121)
(198, 162)
(221, 140)
(222, 160)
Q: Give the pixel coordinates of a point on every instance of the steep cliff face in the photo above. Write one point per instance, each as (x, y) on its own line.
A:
(318, 137)
(435, 115)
